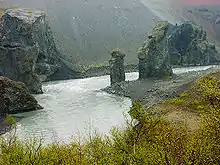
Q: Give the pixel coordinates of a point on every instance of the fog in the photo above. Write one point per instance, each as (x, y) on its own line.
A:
(86, 31)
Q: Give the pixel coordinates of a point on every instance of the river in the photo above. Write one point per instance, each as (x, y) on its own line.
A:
(78, 106)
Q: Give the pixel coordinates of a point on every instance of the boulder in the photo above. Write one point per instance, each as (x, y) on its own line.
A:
(116, 64)
(154, 58)
(15, 97)
(28, 51)
(18, 64)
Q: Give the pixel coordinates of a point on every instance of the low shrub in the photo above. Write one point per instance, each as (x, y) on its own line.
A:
(148, 138)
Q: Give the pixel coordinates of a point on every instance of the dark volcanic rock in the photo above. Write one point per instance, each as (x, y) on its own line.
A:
(207, 16)
(116, 64)
(15, 97)
(154, 58)
(188, 46)
(180, 45)
(27, 49)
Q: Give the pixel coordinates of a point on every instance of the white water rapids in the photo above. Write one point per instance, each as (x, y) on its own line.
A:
(77, 106)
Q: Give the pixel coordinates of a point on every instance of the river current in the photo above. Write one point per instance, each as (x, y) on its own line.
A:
(78, 106)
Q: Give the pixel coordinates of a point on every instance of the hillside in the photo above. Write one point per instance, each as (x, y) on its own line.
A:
(87, 31)
(208, 17)
(188, 107)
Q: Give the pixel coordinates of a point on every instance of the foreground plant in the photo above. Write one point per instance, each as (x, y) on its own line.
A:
(148, 138)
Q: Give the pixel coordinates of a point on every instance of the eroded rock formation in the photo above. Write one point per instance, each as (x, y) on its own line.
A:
(116, 63)
(188, 45)
(180, 45)
(27, 49)
(207, 16)
(154, 58)
(15, 97)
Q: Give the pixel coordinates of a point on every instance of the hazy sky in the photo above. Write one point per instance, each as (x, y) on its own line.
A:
(195, 2)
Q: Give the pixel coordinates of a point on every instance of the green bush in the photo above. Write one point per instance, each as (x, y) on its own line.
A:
(148, 138)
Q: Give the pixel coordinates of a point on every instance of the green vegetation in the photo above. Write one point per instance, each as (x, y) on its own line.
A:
(117, 53)
(159, 31)
(175, 101)
(2, 12)
(149, 138)
(198, 96)
(30, 11)
(95, 66)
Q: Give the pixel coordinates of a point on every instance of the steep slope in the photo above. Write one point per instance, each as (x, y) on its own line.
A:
(208, 17)
(169, 10)
(94, 28)
(205, 13)
(27, 49)
(88, 30)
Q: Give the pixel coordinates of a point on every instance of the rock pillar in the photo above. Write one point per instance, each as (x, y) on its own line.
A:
(117, 73)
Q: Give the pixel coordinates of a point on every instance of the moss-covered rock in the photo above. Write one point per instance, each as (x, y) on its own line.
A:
(154, 59)
(15, 97)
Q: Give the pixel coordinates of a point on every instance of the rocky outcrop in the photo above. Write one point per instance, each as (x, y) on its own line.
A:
(153, 91)
(116, 64)
(207, 16)
(181, 45)
(188, 45)
(27, 49)
(154, 58)
(15, 97)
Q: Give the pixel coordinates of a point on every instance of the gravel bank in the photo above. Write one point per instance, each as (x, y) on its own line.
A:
(152, 91)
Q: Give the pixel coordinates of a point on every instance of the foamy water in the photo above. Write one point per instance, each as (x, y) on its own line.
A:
(78, 106)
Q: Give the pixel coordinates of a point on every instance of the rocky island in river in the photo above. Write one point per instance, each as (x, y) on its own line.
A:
(174, 116)
(166, 47)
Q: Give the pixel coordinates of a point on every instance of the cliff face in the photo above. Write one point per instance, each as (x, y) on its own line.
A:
(188, 45)
(208, 17)
(154, 58)
(80, 27)
(27, 50)
(182, 45)
(204, 13)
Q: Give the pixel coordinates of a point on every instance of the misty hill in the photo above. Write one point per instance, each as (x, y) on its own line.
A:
(87, 30)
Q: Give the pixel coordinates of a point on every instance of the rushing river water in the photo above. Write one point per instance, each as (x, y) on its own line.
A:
(77, 106)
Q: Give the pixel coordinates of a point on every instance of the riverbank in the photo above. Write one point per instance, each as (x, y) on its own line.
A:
(152, 91)
(93, 72)
(154, 140)
(3, 127)
(102, 70)
(64, 98)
